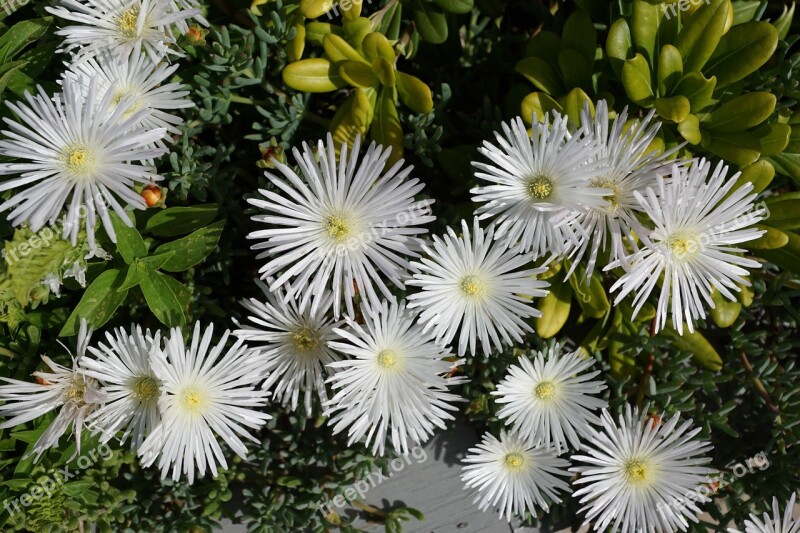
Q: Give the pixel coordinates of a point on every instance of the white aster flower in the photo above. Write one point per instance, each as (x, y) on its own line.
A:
(293, 344)
(396, 383)
(123, 368)
(637, 473)
(122, 27)
(539, 183)
(775, 523)
(693, 243)
(630, 168)
(140, 84)
(343, 226)
(69, 389)
(514, 476)
(177, 6)
(71, 154)
(551, 400)
(207, 392)
(473, 283)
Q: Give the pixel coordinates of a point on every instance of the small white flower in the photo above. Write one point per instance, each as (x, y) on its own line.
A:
(207, 392)
(396, 383)
(513, 476)
(775, 523)
(344, 226)
(138, 83)
(69, 389)
(122, 27)
(123, 368)
(293, 344)
(693, 243)
(551, 400)
(69, 154)
(539, 183)
(473, 283)
(630, 167)
(637, 474)
(77, 272)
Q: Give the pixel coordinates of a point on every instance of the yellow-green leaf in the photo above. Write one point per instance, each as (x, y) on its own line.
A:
(376, 45)
(337, 49)
(555, 309)
(541, 74)
(725, 312)
(312, 9)
(414, 93)
(619, 45)
(742, 51)
(696, 344)
(315, 75)
(637, 81)
(386, 129)
(358, 74)
(772, 239)
(670, 69)
(689, 128)
(384, 71)
(742, 112)
(675, 108)
(698, 89)
(538, 104)
(701, 34)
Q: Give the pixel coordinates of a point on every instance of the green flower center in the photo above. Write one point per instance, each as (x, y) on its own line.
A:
(305, 340)
(146, 389)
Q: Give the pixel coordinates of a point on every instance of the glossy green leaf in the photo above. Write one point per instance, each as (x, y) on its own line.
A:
(458, 7)
(386, 129)
(619, 45)
(21, 35)
(772, 239)
(98, 303)
(579, 35)
(645, 20)
(316, 75)
(574, 103)
(541, 74)
(384, 71)
(784, 211)
(670, 69)
(788, 256)
(130, 244)
(190, 250)
(339, 50)
(701, 34)
(696, 344)
(689, 128)
(358, 74)
(161, 299)
(725, 312)
(376, 45)
(430, 23)
(414, 93)
(637, 81)
(698, 89)
(675, 108)
(575, 69)
(784, 22)
(538, 104)
(742, 112)
(773, 138)
(555, 309)
(760, 174)
(175, 221)
(742, 51)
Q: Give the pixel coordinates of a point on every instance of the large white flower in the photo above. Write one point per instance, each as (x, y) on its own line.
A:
(396, 383)
(144, 83)
(122, 27)
(539, 183)
(775, 523)
(473, 283)
(123, 368)
(207, 392)
(70, 152)
(551, 400)
(637, 474)
(293, 344)
(69, 389)
(630, 167)
(514, 476)
(344, 226)
(693, 244)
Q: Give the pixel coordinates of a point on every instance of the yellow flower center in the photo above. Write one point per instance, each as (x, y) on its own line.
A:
(135, 105)
(129, 22)
(613, 199)
(76, 390)
(193, 400)
(514, 461)
(387, 359)
(78, 160)
(471, 286)
(305, 340)
(545, 390)
(636, 471)
(337, 227)
(539, 187)
(145, 389)
(683, 245)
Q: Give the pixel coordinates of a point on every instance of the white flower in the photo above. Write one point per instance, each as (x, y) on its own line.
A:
(630, 167)
(206, 392)
(551, 400)
(343, 226)
(637, 474)
(69, 389)
(122, 27)
(176, 6)
(512, 475)
(141, 82)
(293, 344)
(693, 243)
(395, 384)
(473, 283)
(539, 183)
(123, 368)
(774, 523)
(70, 154)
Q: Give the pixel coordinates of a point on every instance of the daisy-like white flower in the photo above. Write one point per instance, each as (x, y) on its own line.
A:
(139, 80)
(396, 383)
(207, 392)
(473, 283)
(69, 152)
(122, 27)
(629, 167)
(539, 183)
(775, 523)
(123, 368)
(177, 6)
(345, 226)
(514, 476)
(636, 472)
(293, 344)
(693, 244)
(551, 400)
(69, 389)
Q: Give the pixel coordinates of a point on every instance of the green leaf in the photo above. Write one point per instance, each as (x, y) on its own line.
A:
(414, 93)
(190, 250)
(377, 45)
(772, 239)
(760, 174)
(573, 103)
(675, 108)
(786, 257)
(386, 129)
(740, 148)
(773, 138)
(742, 112)
(430, 23)
(645, 20)
(701, 34)
(353, 117)
(312, 9)
(538, 104)
(541, 74)
(670, 69)
(162, 300)
(784, 211)
(698, 89)
(575, 68)
(130, 244)
(21, 35)
(75, 488)
(339, 50)
(591, 296)
(788, 165)
(697, 345)
(725, 312)
(579, 35)
(358, 74)
(619, 45)
(316, 75)
(784, 22)
(175, 221)
(689, 128)
(99, 301)
(742, 51)
(637, 81)
(459, 7)
(555, 309)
